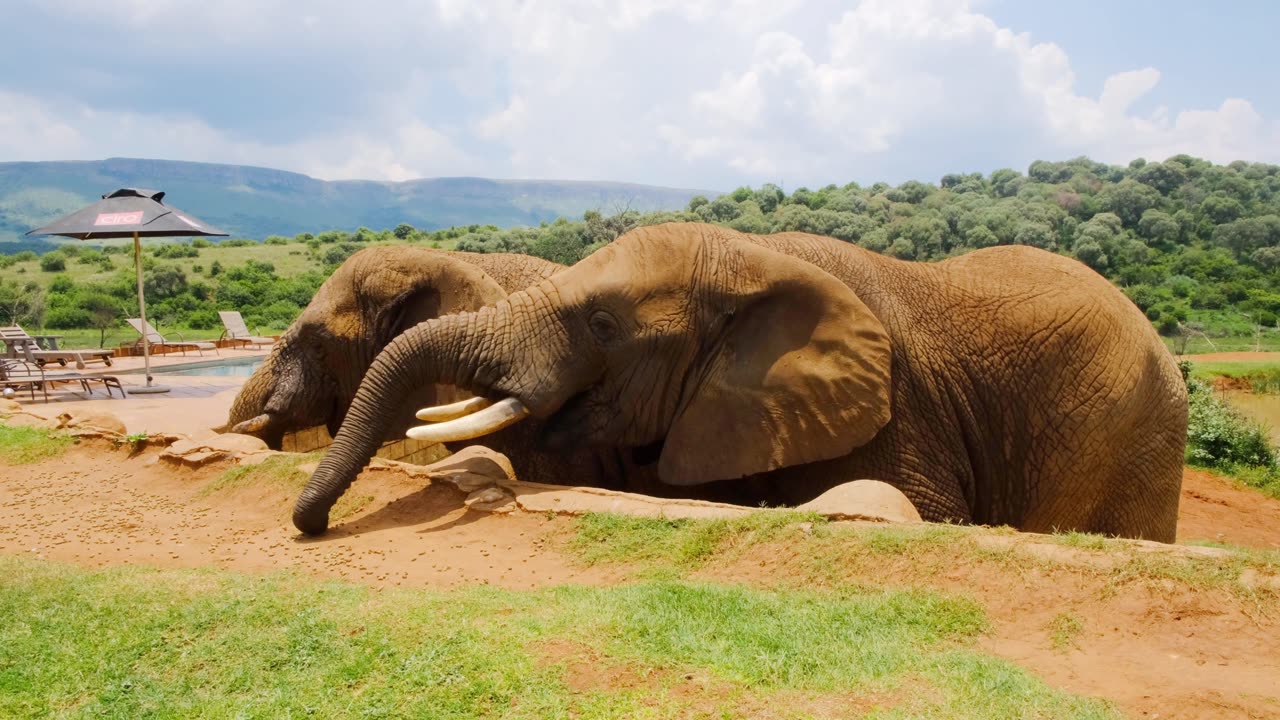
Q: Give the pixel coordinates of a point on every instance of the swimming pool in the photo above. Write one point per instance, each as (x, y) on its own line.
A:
(223, 367)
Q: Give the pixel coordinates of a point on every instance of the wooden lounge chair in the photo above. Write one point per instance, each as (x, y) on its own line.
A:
(21, 373)
(237, 331)
(158, 340)
(18, 374)
(23, 346)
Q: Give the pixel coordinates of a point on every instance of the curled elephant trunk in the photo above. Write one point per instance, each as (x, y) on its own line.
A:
(440, 351)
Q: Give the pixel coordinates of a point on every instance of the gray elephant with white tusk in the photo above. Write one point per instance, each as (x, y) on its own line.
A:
(1006, 386)
(313, 372)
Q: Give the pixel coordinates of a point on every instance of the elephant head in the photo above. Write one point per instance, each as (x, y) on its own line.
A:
(714, 357)
(313, 372)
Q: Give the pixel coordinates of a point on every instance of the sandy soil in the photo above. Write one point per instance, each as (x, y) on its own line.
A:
(1169, 653)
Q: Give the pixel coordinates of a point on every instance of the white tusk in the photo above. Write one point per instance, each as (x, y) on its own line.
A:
(462, 408)
(491, 419)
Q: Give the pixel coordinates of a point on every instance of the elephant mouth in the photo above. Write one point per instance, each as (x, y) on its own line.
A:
(467, 419)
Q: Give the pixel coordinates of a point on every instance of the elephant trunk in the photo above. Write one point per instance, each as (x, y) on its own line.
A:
(443, 351)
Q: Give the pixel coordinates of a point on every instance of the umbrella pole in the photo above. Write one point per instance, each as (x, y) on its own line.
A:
(142, 312)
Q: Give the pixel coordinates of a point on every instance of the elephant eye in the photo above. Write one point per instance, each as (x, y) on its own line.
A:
(604, 326)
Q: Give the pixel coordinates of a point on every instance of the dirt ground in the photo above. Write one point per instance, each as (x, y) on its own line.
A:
(1170, 653)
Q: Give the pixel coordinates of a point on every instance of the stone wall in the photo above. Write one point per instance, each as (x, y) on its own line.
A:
(404, 450)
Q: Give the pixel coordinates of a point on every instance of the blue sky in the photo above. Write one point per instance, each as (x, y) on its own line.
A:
(692, 93)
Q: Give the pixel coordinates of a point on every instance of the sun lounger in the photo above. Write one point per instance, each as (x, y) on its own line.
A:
(237, 331)
(18, 374)
(157, 340)
(20, 345)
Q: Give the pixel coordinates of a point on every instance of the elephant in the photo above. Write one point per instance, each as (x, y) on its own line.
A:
(1005, 386)
(313, 371)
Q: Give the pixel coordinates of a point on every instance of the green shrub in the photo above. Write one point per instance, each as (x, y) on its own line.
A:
(25, 256)
(200, 242)
(53, 262)
(1219, 436)
(176, 250)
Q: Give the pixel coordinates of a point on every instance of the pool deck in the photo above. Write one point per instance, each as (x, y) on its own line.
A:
(193, 405)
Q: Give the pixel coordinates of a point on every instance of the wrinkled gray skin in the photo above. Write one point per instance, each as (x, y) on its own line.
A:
(313, 372)
(1006, 386)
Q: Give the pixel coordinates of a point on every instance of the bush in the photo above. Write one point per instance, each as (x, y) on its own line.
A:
(176, 250)
(200, 242)
(1218, 436)
(25, 256)
(238, 242)
(53, 262)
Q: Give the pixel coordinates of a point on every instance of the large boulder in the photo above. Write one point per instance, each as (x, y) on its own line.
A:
(863, 500)
(103, 422)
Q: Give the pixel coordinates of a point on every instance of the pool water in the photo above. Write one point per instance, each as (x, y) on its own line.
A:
(235, 367)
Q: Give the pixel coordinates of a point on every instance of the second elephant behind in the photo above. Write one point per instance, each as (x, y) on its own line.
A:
(313, 372)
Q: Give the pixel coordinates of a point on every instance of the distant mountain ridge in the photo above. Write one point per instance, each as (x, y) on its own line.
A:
(254, 202)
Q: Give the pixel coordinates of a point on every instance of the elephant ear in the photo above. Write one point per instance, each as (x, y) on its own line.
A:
(423, 286)
(799, 373)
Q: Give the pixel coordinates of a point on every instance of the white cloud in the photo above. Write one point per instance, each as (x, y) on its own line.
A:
(891, 71)
(702, 93)
(33, 129)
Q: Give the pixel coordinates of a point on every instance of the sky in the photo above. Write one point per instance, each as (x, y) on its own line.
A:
(706, 94)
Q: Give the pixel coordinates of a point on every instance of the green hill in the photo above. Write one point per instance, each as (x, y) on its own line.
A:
(256, 202)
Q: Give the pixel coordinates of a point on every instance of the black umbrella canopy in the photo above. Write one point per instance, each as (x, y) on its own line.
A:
(125, 213)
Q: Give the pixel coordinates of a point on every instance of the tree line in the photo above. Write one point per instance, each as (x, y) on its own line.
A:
(1195, 245)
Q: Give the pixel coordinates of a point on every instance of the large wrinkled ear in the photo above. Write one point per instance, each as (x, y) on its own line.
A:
(424, 287)
(800, 373)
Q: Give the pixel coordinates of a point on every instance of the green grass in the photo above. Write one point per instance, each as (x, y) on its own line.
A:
(134, 643)
(276, 471)
(281, 472)
(1262, 376)
(25, 445)
(610, 538)
(838, 555)
(1082, 540)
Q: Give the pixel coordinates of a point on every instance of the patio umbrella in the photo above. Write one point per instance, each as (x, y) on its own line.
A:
(136, 213)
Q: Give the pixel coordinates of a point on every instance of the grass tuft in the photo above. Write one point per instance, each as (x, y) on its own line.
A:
(276, 471)
(1064, 628)
(25, 445)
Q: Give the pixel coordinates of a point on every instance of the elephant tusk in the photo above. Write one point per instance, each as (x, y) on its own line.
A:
(491, 419)
(462, 408)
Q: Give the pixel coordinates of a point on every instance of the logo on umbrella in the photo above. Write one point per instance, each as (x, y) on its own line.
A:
(120, 218)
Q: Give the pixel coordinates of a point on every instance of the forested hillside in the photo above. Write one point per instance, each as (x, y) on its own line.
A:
(1195, 245)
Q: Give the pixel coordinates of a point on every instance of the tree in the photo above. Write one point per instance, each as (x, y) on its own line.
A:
(404, 231)
(1221, 209)
(1129, 199)
(1164, 177)
(1158, 226)
(22, 303)
(104, 312)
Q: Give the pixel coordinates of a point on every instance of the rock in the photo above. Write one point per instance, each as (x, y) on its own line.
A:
(472, 468)
(491, 499)
(100, 421)
(25, 420)
(195, 453)
(234, 443)
(863, 500)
